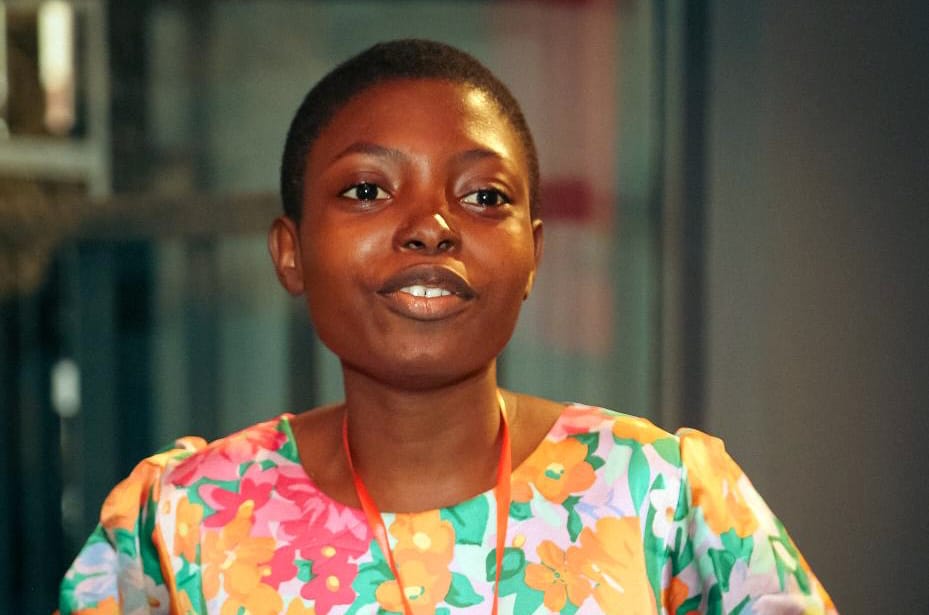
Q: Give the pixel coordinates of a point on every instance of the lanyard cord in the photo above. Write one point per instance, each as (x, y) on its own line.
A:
(501, 493)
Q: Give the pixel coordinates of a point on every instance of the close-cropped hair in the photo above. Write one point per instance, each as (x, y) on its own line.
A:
(390, 61)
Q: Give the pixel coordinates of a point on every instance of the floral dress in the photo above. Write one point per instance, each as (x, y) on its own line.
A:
(609, 514)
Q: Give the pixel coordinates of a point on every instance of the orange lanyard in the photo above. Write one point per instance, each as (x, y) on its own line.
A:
(501, 493)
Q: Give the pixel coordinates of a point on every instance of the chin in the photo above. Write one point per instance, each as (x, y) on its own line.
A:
(424, 370)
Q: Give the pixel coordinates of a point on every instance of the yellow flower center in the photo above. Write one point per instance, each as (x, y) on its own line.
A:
(413, 592)
(328, 551)
(332, 583)
(422, 541)
(247, 507)
(183, 529)
(554, 471)
(519, 540)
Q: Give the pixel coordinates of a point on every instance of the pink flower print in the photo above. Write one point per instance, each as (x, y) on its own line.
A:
(253, 488)
(221, 459)
(282, 566)
(208, 463)
(246, 444)
(316, 509)
(577, 419)
(333, 573)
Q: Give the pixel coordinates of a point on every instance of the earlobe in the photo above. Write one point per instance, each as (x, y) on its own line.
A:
(284, 246)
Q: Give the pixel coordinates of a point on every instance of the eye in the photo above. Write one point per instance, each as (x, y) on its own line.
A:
(486, 197)
(365, 191)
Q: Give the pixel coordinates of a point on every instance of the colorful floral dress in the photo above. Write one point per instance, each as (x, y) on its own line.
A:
(609, 515)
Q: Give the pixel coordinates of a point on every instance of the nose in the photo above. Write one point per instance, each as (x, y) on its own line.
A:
(428, 233)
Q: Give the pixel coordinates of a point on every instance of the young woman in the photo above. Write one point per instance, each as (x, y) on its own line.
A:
(411, 227)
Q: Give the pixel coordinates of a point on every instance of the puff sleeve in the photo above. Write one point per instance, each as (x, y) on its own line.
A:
(123, 567)
(729, 553)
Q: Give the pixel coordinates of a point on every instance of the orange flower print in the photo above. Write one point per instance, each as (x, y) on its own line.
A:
(674, 595)
(612, 557)
(556, 469)
(638, 429)
(423, 587)
(558, 576)
(108, 606)
(297, 607)
(121, 507)
(239, 561)
(423, 536)
(187, 529)
(716, 484)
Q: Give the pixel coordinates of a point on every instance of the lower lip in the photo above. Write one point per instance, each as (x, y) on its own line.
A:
(425, 308)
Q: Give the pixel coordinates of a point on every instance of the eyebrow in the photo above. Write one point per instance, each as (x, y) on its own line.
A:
(478, 153)
(379, 151)
(370, 149)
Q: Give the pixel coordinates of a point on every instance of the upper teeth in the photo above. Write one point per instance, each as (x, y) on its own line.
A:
(425, 291)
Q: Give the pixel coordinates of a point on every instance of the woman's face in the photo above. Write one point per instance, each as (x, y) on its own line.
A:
(416, 247)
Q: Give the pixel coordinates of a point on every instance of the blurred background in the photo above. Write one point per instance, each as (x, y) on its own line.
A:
(737, 219)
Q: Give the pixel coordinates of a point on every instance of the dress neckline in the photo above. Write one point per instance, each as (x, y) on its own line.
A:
(552, 434)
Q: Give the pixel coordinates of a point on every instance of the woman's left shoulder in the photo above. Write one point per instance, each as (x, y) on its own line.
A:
(578, 418)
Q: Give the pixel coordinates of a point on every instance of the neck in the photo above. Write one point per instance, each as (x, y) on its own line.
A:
(420, 449)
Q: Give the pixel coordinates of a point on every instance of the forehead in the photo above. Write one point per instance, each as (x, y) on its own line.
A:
(426, 114)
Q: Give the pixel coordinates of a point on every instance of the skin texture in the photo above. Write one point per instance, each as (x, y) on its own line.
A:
(414, 183)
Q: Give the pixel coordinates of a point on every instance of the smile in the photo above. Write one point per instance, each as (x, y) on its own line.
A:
(429, 292)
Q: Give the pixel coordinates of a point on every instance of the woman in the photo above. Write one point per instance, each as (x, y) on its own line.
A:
(410, 184)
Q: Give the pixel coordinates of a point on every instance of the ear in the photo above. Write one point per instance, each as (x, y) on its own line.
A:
(284, 246)
(538, 237)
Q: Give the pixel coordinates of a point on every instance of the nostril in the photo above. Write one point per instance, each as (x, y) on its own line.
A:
(414, 244)
(445, 245)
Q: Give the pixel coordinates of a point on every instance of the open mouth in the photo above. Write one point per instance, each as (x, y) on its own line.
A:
(427, 292)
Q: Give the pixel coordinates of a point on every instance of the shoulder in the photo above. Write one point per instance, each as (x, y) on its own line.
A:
(577, 419)
(221, 459)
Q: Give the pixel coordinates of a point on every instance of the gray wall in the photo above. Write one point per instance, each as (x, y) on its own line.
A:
(817, 234)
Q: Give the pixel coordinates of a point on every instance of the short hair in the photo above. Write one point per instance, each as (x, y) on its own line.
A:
(390, 61)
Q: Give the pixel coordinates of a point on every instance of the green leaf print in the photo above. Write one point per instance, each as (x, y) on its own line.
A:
(520, 510)
(595, 462)
(569, 608)
(125, 542)
(527, 600)
(741, 548)
(151, 564)
(639, 477)
(654, 548)
(442, 610)
(514, 560)
(289, 449)
(461, 593)
(304, 570)
(590, 440)
(691, 604)
(740, 606)
(575, 525)
(669, 449)
(723, 561)
(714, 601)
(684, 552)
(512, 580)
(469, 520)
(370, 576)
